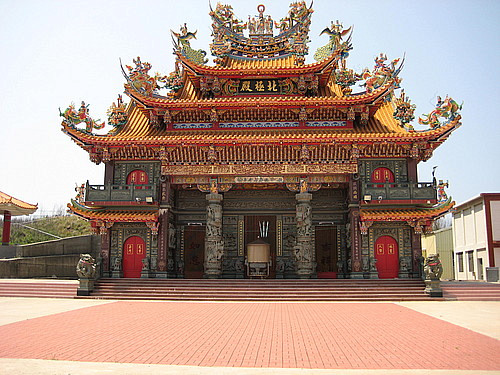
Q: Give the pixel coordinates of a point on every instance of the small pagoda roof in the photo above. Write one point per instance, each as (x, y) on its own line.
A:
(15, 206)
(406, 214)
(240, 66)
(103, 214)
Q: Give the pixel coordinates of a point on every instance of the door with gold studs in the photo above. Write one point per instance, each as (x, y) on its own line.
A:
(137, 177)
(387, 255)
(134, 251)
(382, 175)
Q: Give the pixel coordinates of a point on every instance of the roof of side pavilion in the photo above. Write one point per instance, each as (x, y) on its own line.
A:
(15, 206)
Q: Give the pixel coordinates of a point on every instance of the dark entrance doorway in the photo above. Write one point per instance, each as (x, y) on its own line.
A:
(326, 251)
(387, 255)
(134, 251)
(194, 251)
(252, 232)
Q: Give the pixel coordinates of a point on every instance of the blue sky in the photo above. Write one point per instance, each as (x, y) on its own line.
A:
(58, 52)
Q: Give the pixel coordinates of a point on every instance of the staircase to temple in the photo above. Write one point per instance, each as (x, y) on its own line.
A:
(470, 291)
(261, 290)
(38, 288)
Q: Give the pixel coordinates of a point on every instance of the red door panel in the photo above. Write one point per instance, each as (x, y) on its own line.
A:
(387, 255)
(134, 250)
(382, 175)
(137, 177)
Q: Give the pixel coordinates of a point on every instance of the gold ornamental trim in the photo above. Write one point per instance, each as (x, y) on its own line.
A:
(259, 170)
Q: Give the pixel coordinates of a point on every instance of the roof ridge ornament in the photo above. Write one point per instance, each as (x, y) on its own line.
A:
(404, 111)
(73, 117)
(382, 73)
(229, 39)
(447, 109)
(183, 45)
(336, 32)
(139, 78)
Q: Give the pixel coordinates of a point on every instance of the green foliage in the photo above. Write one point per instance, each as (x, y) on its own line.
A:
(60, 226)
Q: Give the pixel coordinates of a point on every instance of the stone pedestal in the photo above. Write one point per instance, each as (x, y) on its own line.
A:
(433, 288)
(304, 246)
(214, 243)
(86, 286)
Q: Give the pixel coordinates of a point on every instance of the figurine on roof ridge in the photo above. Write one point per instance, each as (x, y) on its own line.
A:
(447, 109)
(117, 115)
(382, 73)
(336, 32)
(139, 78)
(184, 46)
(404, 111)
(72, 117)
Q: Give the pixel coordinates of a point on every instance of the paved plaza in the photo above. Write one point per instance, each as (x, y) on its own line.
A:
(56, 336)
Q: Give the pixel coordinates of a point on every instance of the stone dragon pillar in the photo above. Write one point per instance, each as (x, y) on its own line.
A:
(304, 245)
(214, 243)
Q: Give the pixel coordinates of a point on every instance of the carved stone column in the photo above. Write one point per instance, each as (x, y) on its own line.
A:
(304, 244)
(161, 262)
(214, 243)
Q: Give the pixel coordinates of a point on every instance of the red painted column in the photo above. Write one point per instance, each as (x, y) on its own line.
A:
(6, 228)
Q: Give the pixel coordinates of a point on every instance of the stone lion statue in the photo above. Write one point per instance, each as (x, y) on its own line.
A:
(433, 268)
(86, 266)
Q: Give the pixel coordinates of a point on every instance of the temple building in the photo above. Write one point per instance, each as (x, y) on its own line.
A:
(262, 165)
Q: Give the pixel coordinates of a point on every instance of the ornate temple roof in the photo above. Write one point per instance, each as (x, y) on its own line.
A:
(260, 90)
(15, 206)
(380, 127)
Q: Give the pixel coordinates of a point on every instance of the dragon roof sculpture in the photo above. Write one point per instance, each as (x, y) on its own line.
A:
(291, 33)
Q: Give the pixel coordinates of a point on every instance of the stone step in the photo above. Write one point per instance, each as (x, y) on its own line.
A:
(39, 289)
(261, 290)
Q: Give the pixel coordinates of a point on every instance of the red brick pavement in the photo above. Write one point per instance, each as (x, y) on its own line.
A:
(289, 335)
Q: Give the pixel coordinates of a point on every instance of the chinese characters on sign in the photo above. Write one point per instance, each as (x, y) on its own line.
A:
(259, 86)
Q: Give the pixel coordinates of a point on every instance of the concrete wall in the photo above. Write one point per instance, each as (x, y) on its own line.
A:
(441, 242)
(64, 246)
(57, 258)
(470, 241)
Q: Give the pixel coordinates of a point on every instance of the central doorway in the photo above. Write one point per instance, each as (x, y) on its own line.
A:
(326, 251)
(252, 232)
(194, 251)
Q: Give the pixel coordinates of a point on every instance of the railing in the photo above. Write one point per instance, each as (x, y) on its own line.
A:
(121, 193)
(398, 191)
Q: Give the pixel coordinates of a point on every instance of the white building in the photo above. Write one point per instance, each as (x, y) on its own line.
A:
(476, 236)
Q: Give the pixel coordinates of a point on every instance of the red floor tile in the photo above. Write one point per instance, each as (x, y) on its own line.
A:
(355, 335)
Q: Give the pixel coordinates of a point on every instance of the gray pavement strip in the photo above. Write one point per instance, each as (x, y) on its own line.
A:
(48, 367)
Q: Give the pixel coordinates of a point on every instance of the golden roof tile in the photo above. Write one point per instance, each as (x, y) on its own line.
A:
(404, 214)
(91, 213)
(15, 206)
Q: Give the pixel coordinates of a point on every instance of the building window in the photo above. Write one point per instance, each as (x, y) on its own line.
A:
(470, 258)
(460, 261)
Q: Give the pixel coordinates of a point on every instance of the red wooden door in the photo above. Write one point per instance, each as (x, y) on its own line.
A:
(137, 177)
(387, 255)
(134, 250)
(382, 175)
